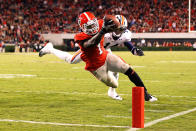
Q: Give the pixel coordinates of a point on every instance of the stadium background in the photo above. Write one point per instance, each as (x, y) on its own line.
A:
(29, 23)
(39, 94)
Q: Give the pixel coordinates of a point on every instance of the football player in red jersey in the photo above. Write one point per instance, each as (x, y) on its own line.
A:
(98, 61)
(110, 39)
(88, 32)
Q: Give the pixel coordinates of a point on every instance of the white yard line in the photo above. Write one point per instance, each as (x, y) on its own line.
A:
(158, 111)
(85, 93)
(112, 116)
(17, 75)
(62, 124)
(177, 96)
(104, 126)
(74, 79)
(138, 66)
(128, 117)
(173, 61)
(164, 119)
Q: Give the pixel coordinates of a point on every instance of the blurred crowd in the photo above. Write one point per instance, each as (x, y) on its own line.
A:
(22, 21)
(193, 15)
(144, 43)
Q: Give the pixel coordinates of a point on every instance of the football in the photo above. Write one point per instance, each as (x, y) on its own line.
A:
(113, 18)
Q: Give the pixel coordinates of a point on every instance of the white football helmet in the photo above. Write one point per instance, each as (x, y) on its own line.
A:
(123, 22)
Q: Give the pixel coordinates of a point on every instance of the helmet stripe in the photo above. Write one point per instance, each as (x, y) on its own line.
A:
(122, 23)
(87, 16)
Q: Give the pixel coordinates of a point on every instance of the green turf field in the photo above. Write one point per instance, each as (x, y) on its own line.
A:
(47, 94)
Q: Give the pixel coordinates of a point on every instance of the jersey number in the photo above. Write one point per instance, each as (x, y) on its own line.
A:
(99, 47)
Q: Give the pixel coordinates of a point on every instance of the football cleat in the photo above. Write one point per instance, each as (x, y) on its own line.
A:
(149, 97)
(112, 93)
(116, 97)
(46, 50)
(152, 99)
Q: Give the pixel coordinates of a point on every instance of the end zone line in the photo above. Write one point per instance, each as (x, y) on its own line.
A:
(164, 118)
(61, 124)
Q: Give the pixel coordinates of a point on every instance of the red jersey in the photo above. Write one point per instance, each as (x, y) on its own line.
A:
(94, 56)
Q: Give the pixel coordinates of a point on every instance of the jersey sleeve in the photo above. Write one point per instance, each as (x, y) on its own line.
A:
(128, 35)
(107, 38)
(81, 37)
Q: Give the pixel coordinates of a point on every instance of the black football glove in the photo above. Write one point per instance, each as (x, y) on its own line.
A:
(108, 26)
(137, 51)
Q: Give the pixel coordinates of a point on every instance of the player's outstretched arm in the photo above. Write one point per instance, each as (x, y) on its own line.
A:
(108, 26)
(134, 50)
(93, 41)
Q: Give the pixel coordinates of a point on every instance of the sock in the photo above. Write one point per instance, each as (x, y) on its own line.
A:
(112, 91)
(133, 76)
(62, 55)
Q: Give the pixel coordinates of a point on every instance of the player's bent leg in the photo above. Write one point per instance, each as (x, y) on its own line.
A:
(133, 76)
(116, 64)
(107, 77)
(116, 75)
(112, 91)
(102, 74)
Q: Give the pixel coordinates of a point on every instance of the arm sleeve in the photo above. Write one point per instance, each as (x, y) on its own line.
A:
(129, 46)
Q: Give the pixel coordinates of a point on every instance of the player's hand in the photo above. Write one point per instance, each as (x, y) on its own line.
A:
(137, 51)
(108, 26)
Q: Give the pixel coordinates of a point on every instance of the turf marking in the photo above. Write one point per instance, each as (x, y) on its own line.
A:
(84, 93)
(173, 61)
(77, 67)
(158, 111)
(129, 117)
(138, 66)
(61, 124)
(177, 96)
(164, 119)
(16, 75)
(112, 116)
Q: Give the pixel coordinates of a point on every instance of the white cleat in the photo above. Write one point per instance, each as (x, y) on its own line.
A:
(46, 50)
(117, 97)
(153, 99)
(112, 93)
(149, 97)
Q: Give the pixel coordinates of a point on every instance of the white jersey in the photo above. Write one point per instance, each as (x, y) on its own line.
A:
(110, 41)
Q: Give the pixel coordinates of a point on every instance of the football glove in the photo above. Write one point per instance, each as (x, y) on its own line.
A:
(137, 51)
(108, 26)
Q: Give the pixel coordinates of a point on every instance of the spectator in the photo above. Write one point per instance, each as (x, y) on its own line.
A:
(1, 46)
(194, 46)
(149, 44)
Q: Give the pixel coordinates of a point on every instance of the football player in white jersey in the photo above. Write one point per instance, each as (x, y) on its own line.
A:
(121, 36)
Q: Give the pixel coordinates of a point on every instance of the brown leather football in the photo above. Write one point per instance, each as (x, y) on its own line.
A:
(114, 19)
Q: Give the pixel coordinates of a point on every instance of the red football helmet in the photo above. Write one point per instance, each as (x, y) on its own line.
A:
(88, 23)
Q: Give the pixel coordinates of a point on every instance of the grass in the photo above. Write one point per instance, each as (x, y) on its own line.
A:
(59, 92)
